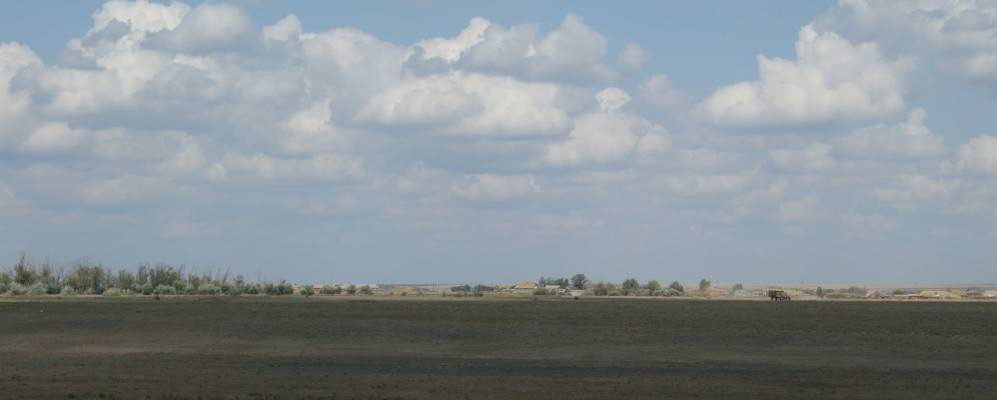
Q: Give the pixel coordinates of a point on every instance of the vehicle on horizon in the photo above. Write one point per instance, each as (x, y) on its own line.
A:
(778, 295)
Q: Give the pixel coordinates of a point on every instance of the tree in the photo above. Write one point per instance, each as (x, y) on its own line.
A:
(351, 290)
(365, 289)
(653, 287)
(579, 281)
(630, 286)
(704, 285)
(307, 290)
(737, 286)
(820, 292)
(676, 286)
(23, 273)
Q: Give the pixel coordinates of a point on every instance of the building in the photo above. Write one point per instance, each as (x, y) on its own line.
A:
(524, 287)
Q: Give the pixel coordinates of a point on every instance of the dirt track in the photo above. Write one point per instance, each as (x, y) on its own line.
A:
(512, 348)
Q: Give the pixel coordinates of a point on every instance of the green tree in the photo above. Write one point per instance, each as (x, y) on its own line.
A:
(579, 281)
(307, 290)
(630, 286)
(704, 285)
(351, 290)
(23, 273)
(737, 286)
(653, 287)
(676, 286)
(820, 292)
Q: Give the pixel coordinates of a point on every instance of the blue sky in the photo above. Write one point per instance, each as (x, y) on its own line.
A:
(490, 142)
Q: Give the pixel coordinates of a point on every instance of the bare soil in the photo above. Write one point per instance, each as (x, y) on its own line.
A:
(289, 348)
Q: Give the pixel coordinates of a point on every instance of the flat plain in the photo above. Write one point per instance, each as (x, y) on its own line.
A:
(288, 348)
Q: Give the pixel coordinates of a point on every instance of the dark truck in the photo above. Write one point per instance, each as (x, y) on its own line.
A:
(778, 295)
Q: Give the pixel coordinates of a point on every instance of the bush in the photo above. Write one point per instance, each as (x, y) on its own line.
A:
(330, 290)
(4, 287)
(17, 289)
(307, 290)
(208, 289)
(38, 289)
(145, 288)
(164, 289)
(351, 290)
(253, 288)
(366, 290)
(540, 292)
(112, 292)
(67, 291)
(676, 286)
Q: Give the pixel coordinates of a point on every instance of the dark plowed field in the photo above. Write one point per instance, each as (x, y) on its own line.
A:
(289, 348)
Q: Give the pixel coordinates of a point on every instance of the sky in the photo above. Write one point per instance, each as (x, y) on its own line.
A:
(462, 141)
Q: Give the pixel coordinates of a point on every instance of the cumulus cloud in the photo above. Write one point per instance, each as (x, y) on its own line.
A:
(957, 36)
(208, 27)
(907, 140)
(496, 187)
(816, 157)
(573, 52)
(979, 155)
(831, 80)
(53, 137)
(632, 57)
(607, 135)
(469, 104)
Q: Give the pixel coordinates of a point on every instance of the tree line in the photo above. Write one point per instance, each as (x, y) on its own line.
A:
(84, 278)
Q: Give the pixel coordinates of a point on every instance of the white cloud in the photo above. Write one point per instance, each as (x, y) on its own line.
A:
(13, 106)
(807, 209)
(632, 57)
(451, 50)
(659, 93)
(286, 29)
(956, 35)
(496, 187)
(815, 157)
(208, 27)
(54, 137)
(831, 80)
(906, 140)
(572, 52)
(469, 104)
(140, 15)
(608, 135)
(320, 167)
(611, 99)
(979, 155)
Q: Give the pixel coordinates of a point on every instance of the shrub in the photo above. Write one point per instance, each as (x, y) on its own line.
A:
(630, 287)
(38, 289)
(67, 291)
(112, 292)
(253, 288)
(330, 290)
(307, 290)
(676, 286)
(164, 289)
(4, 287)
(208, 289)
(146, 289)
(17, 289)
(366, 290)
(351, 290)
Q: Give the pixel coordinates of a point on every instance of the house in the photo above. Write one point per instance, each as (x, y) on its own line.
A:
(934, 294)
(555, 289)
(524, 287)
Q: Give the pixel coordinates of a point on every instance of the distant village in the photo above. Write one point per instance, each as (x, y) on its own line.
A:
(579, 286)
(27, 278)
